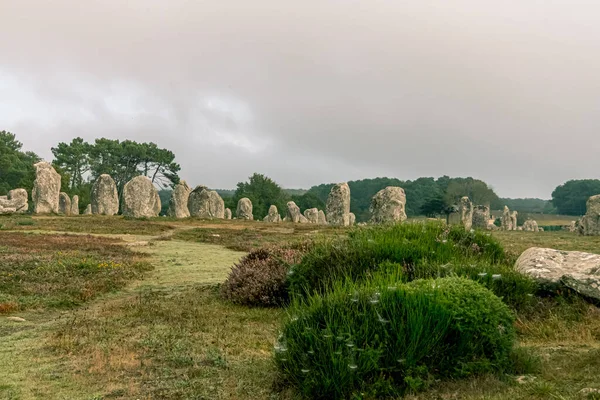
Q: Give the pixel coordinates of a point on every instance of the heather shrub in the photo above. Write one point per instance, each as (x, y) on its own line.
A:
(420, 250)
(259, 279)
(383, 337)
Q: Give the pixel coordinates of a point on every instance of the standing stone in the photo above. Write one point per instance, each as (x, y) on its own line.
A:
(590, 222)
(322, 219)
(506, 220)
(312, 215)
(352, 219)
(140, 198)
(572, 227)
(244, 209)
(292, 212)
(466, 213)
(388, 206)
(204, 203)
(178, 204)
(88, 210)
(15, 202)
(513, 220)
(75, 205)
(481, 217)
(46, 189)
(227, 213)
(64, 204)
(273, 215)
(530, 226)
(338, 205)
(104, 196)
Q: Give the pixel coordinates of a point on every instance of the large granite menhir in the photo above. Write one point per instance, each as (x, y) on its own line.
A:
(140, 198)
(46, 189)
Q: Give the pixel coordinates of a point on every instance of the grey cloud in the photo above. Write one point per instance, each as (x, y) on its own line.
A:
(315, 91)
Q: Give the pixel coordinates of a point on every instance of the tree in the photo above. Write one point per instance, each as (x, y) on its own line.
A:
(571, 197)
(434, 206)
(16, 166)
(128, 159)
(263, 192)
(73, 159)
(477, 191)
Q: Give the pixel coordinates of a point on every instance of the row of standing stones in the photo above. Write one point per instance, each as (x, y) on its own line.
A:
(140, 199)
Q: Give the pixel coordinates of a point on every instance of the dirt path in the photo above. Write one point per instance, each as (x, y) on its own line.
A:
(29, 371)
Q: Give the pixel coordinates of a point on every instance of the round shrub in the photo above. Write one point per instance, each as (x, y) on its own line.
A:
(259, 278)
(384, 338)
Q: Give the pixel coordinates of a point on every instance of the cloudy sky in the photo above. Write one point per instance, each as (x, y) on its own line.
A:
(315, 91)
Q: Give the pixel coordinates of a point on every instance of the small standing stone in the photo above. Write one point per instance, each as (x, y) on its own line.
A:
(273, 215)
(590, 222)
(178, 204)
(64, 204)
(312, 215)
(227, 213)
(466, 213)
(244, 209)
(293, 212)
(322, 220)
(338, 205)
(75, 205)
(104, 196)
(88, 210)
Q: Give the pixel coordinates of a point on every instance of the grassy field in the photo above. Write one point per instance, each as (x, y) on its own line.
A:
(152, 326)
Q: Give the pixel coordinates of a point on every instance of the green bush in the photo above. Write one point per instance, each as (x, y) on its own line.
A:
(421, 250)
(259, 279)
(384, 337)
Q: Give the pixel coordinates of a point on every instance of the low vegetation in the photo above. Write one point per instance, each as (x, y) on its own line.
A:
(62, 271)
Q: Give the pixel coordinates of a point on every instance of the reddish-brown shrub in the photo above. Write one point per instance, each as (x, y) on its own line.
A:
(259, 279)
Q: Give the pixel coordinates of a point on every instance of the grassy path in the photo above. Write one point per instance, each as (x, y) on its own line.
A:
(28, 370)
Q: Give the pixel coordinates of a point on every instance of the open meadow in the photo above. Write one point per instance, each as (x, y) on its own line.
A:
(114, 308)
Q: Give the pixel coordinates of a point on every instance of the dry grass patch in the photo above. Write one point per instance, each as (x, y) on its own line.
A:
(176, 345)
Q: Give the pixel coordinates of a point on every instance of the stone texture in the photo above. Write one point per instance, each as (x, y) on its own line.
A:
(178, 204)
(64, 204)
(273, 215)
(388, 206)
(338, 205)
(312, 215)
(481, 217)
(554, 268)
(244, 209)
(88, 210)
(46, 189)
(303, 220)
(204, 203)
(15, 202)
(140, 198)
(506, 220)
(513, 220)
(104, 196)
(351, 219)
(530, 226)
(571, 227)
(590, 222)
(322, 219)
(466, 213)
(228, 213)
(292, 213)
(75, 205)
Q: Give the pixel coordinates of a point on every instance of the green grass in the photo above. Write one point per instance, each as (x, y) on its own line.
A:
(515, 242)
(61, 271)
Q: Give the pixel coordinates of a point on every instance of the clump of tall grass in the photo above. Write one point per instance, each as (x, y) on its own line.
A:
(384, 337)
(427, 250)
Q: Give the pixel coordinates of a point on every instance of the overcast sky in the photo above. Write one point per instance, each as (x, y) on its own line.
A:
(310, 92)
